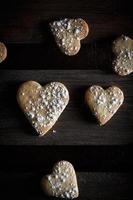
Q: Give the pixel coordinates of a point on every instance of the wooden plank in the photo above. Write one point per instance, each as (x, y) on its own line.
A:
(25, 185)
(26, 22)
(76, 126)
(37, 56)
(124, 7)
(94, 55)
(84, 158)
(97, 55)
(101, 26)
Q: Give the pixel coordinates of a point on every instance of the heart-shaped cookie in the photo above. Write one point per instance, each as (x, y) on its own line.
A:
(68, 33)
(42, 105)
(62, 182)
(123, 50)
(3, 52)
(104, 103)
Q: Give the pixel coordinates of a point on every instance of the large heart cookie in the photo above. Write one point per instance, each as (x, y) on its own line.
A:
(68, 33)
(62, 182)
(123, 50)
(3, 52)
(42, 105)
(104, 103)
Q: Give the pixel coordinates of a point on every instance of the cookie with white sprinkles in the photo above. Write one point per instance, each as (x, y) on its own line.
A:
(123, 50)
(42, 105)
(62, 182)
(68, 33)
(104, 103)
(3, 52)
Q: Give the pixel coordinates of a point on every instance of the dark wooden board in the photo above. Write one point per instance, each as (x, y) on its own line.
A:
(27, 21)
(42, 56)
(76, 126)
(102, 156)
(92, 185)
(105, 158)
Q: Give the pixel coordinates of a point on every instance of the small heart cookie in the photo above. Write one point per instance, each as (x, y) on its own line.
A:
(104, 103)
(3, 52)
(123, 50)
(68, 33)
(42, 105)
(62, 182)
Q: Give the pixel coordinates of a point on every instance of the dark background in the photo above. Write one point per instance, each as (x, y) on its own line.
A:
(102, 156)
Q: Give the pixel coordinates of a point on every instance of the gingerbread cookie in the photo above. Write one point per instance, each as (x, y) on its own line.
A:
(123, 50)
(3, 52)
(62, 182)
(42, 105)
(68, 33)
(104, 103)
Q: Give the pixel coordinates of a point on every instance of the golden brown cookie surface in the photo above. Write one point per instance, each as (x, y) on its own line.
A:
(104, 103)
(68, 33)
(3, 52)
(42, 105)
(62, 182)
(123, 50)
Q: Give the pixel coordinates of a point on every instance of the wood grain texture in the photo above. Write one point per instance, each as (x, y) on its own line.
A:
(23, 21)
(102, 156)
(94, 186)
(76, 126)
(41, 56)
(91, 158)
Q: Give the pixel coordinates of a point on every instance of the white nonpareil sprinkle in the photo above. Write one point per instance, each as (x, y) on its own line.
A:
(123, 63)
(62, 181)
(67, 34)
(49, 105)
(105, 101)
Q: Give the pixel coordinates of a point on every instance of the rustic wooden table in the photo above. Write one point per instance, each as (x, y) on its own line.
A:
(101, 155)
